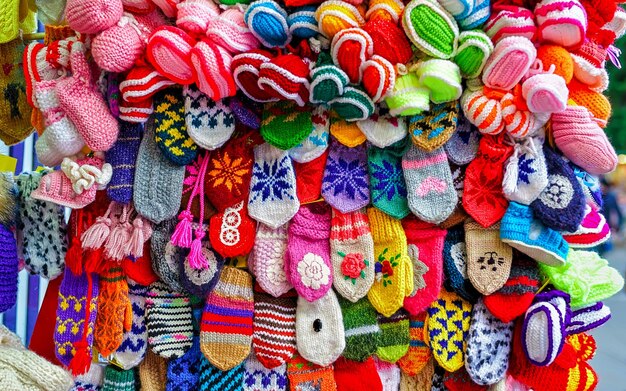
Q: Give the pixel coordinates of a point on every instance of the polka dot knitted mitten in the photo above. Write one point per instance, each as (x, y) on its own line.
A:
(256, 377)
(387, 183)
(133, 348)
(268, 259)
(394, 339)
(361, 329)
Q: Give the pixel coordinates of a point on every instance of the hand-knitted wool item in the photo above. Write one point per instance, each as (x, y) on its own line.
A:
(421, 381)
(114, 311)
(273, 200)
(543, 331)
(116, 379)
(76, 315)
(246, 111)
(509, 21)
(316, 143)
(455, 265)
(166, 257)
(199, 282)
(274, 328)
(586, 277)
(588, 318)
(41, 230)
(488, 258)
(308, 264)
(597, 104)
(526, 173)
(309, 178)
(561, 24)
(590, 185)
(389, 375)
(419, 355)
(304, 375)
(350, 48)
(214, 379)
(256, 377)
(393, 267)
(461, 381)
(91, 17)
(194, 16)
(432, 130)
(394, 339)
(122, 157)
(169, 51)
(383, 130)
(512, 57)
(226, 330)
(268, 259)
(351, 254)
(561, 205)
(302, 22)
(168, 320)
(212, 70)
(90, 381)
(514, 298)
(474, 50)
(442, 78)
(488, 346)
(520, 230)
(285, 77)
(229, 30)
(389, 40)
(425, 244)
(328, 81)
(209, 123)
(482, 192)
(142, 82)
(320, 334)
(384, 9)
(158, 184)
(462, 146)
(545, 93)
(15, 111)
(285, 125)
(347, 133)
(353, 105)
(183, 373)
(9, 269)
(361, 327)
(430, 190)
(267, 20)
(408, 97)
(448, 325)
(246, 68)
(334, 16)
(133, 347)
(387, 184)
(431, 28)
(153, 372)
(346, 181)
(170, 130)
(354, 375)
(437, 379)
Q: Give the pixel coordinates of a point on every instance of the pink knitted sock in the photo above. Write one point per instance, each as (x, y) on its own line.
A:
(308, 251)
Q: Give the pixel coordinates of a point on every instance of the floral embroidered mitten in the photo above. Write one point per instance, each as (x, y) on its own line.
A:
(425, 244)
(133, 348)
(114, 311)
(414, 361)
(430, 190)
(170, 130)
(483, 198)
(273, 200)
(351, 254)
(387, 184)
(526, 173)
(268, 259)
(394, 272)
(361, 329)
(308, 251)
(394, 339)
(346, 182)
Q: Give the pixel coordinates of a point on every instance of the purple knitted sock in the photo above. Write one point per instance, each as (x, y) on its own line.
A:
(8, 269)
(122, 157)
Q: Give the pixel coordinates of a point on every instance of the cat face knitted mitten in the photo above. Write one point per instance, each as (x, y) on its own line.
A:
(488, 258)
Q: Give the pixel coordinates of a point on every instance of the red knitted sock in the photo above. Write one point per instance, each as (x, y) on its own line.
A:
(356, 376)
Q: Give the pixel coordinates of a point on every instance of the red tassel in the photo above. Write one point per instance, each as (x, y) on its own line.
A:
(196, 258)
(74, 257)
(81, 362)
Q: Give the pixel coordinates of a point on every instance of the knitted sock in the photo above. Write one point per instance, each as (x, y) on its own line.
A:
(9, 269)
(355, 376)
(256, 377)
(165, 256)
(153, 372)
(383, 130)
(91, 380)
(169, 321)
(268, 259)
(170, 130)
(309, 178)
(387, 183)
(308, 251)
(14, 110)
(316, 143)
(393, 267)
(304, 375)
(561, 205)
(421, 381)
(209, 123)
(431, 194)
(274, 328)
(514, 298)
(455, 265)
(389, 375)
(116, 379)
(320, 334)
(122, 157)
(425, 243)
(463, 145)
(414, 361)
(448, 325)
(352, 254)
(488, 258)
(488, 346)
(183, 373)
(394, 339)
(41, 229)
(226, 331)
(526, 173)
(346, 182)
(432, 129)
(361, 329)
(114, 311)
(482, 191)
(285, 125)
(214, 379)
(133, 348)
(273, 199)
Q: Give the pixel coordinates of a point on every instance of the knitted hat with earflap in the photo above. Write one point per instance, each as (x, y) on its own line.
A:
(93, 16)
(229, 30)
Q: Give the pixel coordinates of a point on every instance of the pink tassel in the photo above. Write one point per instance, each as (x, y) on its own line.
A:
(96, 235)
(182, 234)
(196, 256)
(116, 245)
(137, 238)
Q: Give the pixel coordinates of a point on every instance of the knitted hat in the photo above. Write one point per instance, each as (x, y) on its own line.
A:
(511, 21)
(589, 66)
(285, 78)
(333, 16)
(212, 70)
(512, 58)
(194, 16)
(267, 20)
(245, 68)
(474, 50)
(169, 51)
(229, 30)
(563, 25)
(14, 109)
(479, 15)
(408, 97)
(302, 22)
(93, 16)
(389, 40)
(431, 28)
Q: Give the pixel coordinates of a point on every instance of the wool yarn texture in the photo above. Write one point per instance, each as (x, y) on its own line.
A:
(132, 350)
(9, 269)
(267, 260)
(361, 329)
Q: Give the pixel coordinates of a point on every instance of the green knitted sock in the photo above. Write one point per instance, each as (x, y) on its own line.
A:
(361, 329)
(387, 185)
(395, 338)
(116, 379)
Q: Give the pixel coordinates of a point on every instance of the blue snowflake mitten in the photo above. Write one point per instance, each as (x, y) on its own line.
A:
(387, 185)
(273, 200)
(345, 185)
(526, 172)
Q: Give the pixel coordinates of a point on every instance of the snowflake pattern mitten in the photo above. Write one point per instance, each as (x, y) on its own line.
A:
(209, 123)
(387, 184)
(526, 173)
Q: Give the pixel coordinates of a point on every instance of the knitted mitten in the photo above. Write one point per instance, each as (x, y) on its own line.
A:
(354, 375)
(116, 379)
(285, 125)
(170, 130)
(455, 265)
(268, 260)
(388, 373)
(421, 381)
(309, 178)
(209, 123)
(183, 373)
(361, 329)
(488, 258)
(9, 269)
(256, 377)
(122, 158)
(433, 129)
(91, 380)
(114, 311)
(387, 183)
(14, 110)
(316, 143)
(461, 148)
(394, 339)
(303, 375)
(153, 371)
(419, 354)
(133, 348)
(214, 379)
